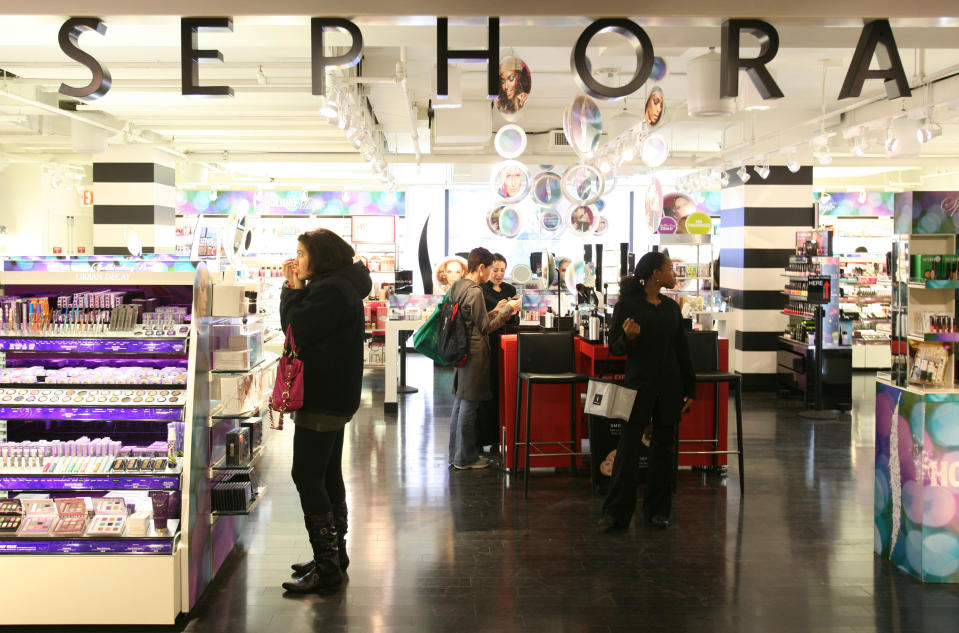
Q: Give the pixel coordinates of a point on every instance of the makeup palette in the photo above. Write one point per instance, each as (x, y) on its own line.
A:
(37, 524)
(10, 523)
(107, 525)
(67, 507)
(10, 507)
(110, 505)
(71, 525)
(37, 507)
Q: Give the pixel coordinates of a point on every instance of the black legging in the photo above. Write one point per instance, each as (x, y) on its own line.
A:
(664, 411)
(317, 469)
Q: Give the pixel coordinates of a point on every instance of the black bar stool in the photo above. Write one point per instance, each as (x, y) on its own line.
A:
(544, 359)
(704, 351)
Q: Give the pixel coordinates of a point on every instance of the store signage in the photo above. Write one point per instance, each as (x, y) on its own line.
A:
(57, 250)
(87, 198)
(85, 546)
(698, 223)
(818, 290)
(876, 39)
(667, 226)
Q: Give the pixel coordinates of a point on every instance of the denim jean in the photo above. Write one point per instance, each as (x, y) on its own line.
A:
(463, 451)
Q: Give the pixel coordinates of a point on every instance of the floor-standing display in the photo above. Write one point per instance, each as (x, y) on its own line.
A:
(917, 414)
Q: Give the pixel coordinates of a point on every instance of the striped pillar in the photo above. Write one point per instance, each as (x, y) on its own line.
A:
(133, 191)
(759, 220)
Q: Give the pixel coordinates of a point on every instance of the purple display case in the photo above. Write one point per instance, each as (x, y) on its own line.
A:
(132, 414)
(89, 482)
(94, 345)
(82, 546)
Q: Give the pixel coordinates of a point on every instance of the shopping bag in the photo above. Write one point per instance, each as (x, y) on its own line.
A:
(609, 399)
(426, 338)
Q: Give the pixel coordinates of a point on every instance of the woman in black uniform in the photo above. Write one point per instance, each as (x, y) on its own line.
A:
(648, 329)
(495, 291)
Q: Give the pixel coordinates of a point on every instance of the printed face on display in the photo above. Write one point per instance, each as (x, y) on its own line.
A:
(654, 106)
(454, 272)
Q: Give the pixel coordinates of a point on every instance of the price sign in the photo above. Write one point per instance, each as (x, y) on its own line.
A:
(818, 290)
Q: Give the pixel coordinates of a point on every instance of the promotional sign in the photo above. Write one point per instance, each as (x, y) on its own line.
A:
(698, 223)
(818, 290)
(927, 212)
(855, 204)
(667, 226)
(373, 229)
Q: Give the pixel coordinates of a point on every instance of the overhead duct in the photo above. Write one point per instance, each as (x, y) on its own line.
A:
(702, 88)
(467, 128)
(87, 139)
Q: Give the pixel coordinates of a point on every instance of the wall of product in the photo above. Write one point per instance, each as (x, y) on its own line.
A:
(104, 411)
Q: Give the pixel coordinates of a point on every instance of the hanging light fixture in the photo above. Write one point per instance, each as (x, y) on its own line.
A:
(928, 131)
(724, 178)
(860, 144)
(892, 141)
(328, 107)
(742, 173)
(762, 170)
(821, 152)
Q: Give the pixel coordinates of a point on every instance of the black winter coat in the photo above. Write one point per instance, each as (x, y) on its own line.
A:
(657, 360)
(329, 328)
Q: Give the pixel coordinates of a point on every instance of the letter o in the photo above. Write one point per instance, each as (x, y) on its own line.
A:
(642, 46)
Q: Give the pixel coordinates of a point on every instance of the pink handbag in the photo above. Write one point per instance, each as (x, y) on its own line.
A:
(288, 390)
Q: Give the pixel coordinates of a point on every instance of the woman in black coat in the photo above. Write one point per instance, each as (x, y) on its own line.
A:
(648, 329)
(322, 302)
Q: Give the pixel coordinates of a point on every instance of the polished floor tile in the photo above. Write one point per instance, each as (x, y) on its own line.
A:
(440, 550)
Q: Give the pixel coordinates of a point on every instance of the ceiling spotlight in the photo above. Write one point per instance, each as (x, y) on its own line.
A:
(605, 166)
(742, 173)
(724, 179)
(928, 131)
(328, 105)
(793, 165)
(860, 145)
(892, 141)
(821, 154)
(629, 152)
(762, 170)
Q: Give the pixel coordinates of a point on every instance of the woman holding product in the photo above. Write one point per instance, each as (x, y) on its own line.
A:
(494, 291)
(647, 328)
(322, 303)
(471, 383)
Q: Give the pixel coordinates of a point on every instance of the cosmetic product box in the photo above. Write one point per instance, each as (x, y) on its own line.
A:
(236, 394)
(10, 523)
(40, 517)
(138, 523)
(238, 447)
(10, 507)
(231, 359)
(229, 300)
(255, 426)
(110, 515)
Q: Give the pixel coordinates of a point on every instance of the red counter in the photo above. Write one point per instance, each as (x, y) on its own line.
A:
(550, 421)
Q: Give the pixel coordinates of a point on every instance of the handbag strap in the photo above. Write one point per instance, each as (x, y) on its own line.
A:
(289, 344)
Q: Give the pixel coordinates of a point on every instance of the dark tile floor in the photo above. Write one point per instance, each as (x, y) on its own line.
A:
(434, 550)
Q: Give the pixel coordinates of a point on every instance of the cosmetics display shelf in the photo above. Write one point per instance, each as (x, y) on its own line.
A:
(260, 493)
(253, 461)
(169, 580)
(254, 412)
(935, 284)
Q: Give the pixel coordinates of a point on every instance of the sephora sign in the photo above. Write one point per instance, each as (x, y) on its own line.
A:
(876, 39)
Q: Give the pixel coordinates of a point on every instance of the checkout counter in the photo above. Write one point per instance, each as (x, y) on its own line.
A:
(550, 419)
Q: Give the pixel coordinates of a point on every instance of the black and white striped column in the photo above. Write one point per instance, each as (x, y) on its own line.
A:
(759, 220)
(133, 192)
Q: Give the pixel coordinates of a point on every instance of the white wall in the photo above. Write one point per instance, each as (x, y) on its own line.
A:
(36, 215)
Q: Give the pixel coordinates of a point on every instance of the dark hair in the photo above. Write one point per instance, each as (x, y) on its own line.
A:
(648, 264)
(499, 258)
(477, 257)
(327, 251)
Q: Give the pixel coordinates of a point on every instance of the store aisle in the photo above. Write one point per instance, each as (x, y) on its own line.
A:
(434, 550)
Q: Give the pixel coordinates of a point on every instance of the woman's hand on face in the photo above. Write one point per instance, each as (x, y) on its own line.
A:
(631, 329)
(289, 272)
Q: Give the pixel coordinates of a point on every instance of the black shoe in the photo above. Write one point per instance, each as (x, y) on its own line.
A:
(609, 524)
(301, 568)
(325, 573)
(659, 521)
(340, 521)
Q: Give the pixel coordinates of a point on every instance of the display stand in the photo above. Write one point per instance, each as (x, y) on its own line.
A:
(916, 404)
(117, 579)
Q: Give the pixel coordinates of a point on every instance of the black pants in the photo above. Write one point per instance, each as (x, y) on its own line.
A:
(487, 423)
(317, 471)
(664, 411)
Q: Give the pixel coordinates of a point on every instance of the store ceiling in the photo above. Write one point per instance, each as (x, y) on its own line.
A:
(273, 121)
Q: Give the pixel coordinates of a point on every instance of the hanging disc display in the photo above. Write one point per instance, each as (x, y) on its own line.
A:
(504, 221)
(654, 205)
(659, 69)
(510, 181)
(602, 225)
(510, 141)
(654, 150)
(583, 184)
(582, 219)
(515, 84)
(655, 110)
(583, 125)
(550, 220)
(547, 188)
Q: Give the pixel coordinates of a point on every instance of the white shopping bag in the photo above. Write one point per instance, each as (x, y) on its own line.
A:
(609, 400)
